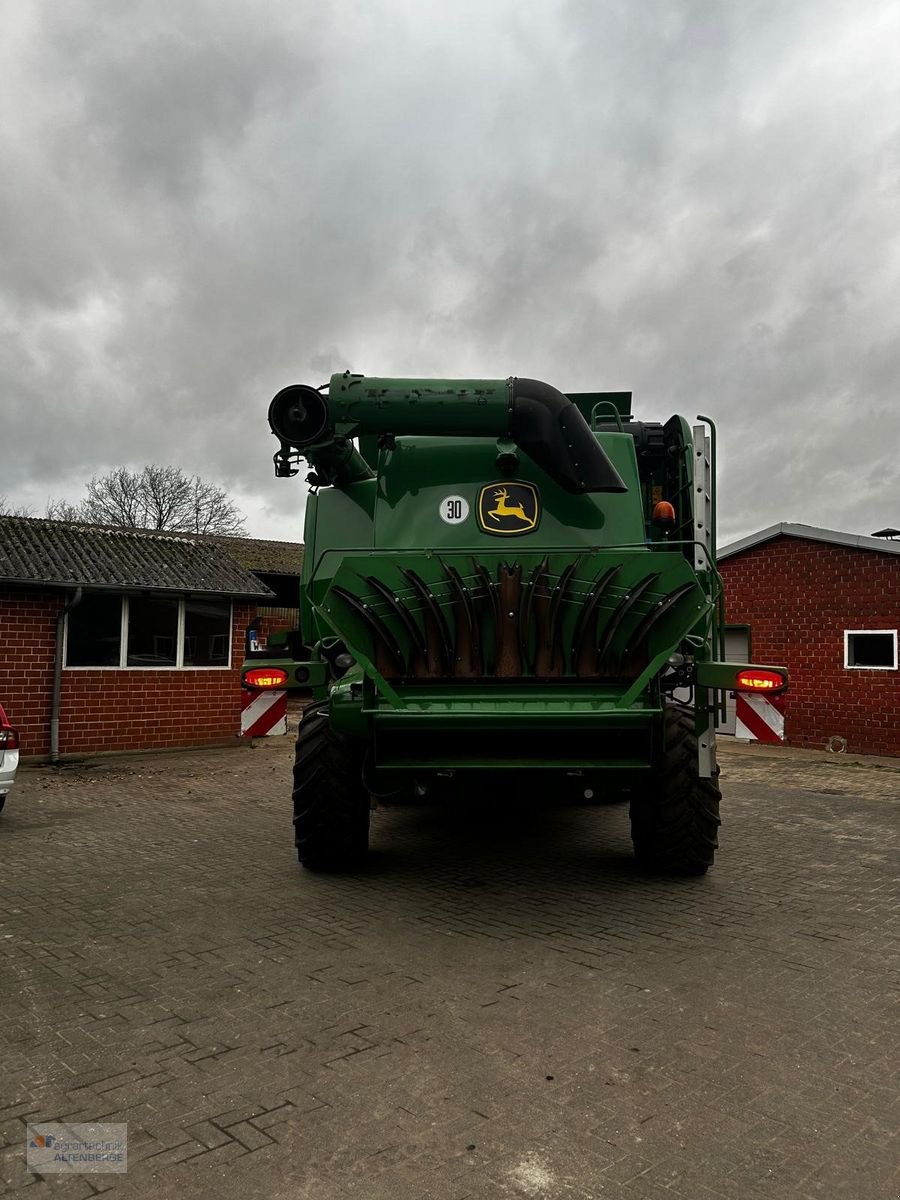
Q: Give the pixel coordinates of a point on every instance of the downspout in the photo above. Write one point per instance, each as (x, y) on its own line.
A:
(57, 674)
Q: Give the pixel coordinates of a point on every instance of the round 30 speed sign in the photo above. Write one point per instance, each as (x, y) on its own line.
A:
(454, 509)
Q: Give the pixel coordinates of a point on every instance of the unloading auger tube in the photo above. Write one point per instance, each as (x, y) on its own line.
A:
(537, 418)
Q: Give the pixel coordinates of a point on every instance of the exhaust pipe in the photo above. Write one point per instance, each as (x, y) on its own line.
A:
(550, 429)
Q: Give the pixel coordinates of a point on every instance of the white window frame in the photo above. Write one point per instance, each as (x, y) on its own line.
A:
(179, 644)
(849, 666)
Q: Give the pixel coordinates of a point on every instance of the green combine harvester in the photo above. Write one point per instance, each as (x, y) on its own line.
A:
(503, 583)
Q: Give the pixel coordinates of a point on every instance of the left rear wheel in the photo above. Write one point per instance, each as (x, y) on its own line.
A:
(331, 804)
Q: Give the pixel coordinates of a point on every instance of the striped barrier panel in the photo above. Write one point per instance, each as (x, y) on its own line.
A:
(759, 718)
(263, 712)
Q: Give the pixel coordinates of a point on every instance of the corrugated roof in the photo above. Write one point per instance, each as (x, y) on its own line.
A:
(68, 554)
(259, 554)
(856, 541)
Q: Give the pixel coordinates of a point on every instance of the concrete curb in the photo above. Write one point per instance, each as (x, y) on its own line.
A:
(728, 747)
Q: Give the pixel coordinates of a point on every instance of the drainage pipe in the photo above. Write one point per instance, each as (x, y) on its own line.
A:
(57, 674)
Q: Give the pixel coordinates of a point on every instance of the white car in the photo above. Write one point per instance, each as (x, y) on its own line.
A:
(9, 756)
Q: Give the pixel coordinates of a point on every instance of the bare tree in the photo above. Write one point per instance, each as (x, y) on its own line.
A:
(210, 511)
(160, 494)
(115, 499)
(154, 498)
(63, 510)
(8, 510)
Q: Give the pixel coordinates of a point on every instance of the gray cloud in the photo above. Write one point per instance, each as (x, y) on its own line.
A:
(204, 202)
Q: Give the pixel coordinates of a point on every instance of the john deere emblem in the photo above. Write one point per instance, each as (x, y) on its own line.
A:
(507, 509)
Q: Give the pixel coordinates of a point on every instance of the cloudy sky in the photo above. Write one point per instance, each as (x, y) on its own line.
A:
(204, 200)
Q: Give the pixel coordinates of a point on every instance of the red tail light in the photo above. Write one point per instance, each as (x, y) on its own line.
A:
(265, 677)
(760, 680)
(9, 739)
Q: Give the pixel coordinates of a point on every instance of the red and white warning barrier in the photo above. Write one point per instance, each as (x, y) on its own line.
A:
(263, 712)
(759, 718)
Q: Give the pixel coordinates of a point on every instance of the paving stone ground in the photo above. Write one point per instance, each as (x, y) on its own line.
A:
(499, 1007)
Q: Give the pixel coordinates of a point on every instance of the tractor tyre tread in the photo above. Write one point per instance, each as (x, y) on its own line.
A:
(675, 820)
(331, 804)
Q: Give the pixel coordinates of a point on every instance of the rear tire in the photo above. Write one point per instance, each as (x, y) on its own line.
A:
(675, 817)
(331, 805)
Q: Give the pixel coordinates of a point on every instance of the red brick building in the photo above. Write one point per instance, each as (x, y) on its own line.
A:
(827, 606)
(121, 639)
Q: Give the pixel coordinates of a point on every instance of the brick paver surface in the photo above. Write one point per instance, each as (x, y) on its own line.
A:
(499, 1007)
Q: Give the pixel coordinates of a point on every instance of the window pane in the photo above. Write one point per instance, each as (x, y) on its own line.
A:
(206, 631)
(870, 650)
(94, 632)
(152, 632)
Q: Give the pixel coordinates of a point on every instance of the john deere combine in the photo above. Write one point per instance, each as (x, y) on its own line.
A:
(501, 580)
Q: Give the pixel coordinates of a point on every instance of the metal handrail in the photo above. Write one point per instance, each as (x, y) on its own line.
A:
(617, 416)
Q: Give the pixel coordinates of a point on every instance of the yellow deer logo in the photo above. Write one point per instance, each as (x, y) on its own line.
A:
(506, 510)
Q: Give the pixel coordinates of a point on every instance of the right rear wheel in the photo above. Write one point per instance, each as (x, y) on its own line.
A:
(331, 804)
(675, 815)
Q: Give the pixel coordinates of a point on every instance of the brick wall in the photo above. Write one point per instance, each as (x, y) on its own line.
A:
(109, 710)
(798, 597)
(271, 619)
(27, 640)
